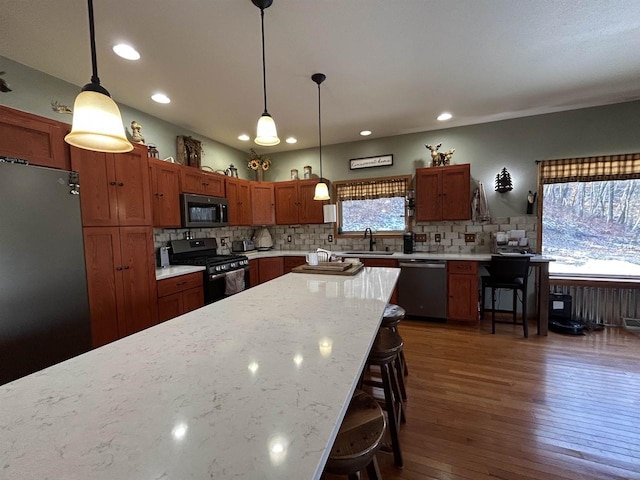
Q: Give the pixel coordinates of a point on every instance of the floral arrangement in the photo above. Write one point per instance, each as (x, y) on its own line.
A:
(258, 161)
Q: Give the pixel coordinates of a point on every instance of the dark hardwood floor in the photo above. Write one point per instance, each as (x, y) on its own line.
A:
(500, 406)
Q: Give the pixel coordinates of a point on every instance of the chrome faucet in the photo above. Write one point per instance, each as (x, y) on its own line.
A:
(371, 240)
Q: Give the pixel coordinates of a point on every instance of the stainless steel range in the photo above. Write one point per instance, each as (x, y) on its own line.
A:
(203, 252)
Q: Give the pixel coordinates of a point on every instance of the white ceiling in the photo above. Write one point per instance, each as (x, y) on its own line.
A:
(392, 66)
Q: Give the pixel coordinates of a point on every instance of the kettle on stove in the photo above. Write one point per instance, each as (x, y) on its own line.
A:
(262, 239)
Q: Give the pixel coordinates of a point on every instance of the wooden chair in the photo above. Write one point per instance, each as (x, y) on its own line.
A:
(510, 273)
(358, 439)
(393, 314)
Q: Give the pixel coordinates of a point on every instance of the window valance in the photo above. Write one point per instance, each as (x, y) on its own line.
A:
(625, 166)
(371, 189)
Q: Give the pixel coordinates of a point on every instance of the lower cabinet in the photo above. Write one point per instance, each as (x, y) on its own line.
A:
(178, 295)
(290, 263)
(383, 262)
(462, 289)
(270, 268)
(121, 281)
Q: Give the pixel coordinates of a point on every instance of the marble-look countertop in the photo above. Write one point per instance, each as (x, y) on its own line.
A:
(176, 270)
(251, 387)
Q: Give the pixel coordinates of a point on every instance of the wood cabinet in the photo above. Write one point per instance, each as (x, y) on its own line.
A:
(263, 203)
(196, 181)
(179, 295)
(165, 190)
(254, 272)
(290, 263)
(114, 188)
(295, 203)
(270, 268)
(36, 139)
(121, 281)
(239, 196)
(462, 291)
(443, 193)
(383, 262)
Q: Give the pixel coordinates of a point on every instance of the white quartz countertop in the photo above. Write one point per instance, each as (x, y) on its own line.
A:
(176, 270)
(478, 257)
(251, 387)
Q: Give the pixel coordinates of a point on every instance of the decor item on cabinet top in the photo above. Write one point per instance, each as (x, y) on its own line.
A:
(189, 151)
(136, 132)
(479, 205)
(4, 87)
(258, 163)
(59, 108)
(503, 181)
(294, 174)
(439, 158)
(152, 151)
(262, 239)
(231, 171)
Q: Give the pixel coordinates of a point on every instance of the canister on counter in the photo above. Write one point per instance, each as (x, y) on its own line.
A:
(307, 172)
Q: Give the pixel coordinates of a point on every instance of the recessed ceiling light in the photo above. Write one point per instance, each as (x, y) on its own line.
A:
(126, 51)
(444, 116)
(365, 133)
(291, 140)
(244, 137)
(160, 98)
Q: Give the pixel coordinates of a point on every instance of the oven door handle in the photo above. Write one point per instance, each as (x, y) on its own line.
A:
(218, 276)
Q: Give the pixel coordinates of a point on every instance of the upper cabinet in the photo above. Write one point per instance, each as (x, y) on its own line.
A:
(114, 188)
(201, 183)
(165, 189)
(263, 203)
(295, 203)
(239, 197)
(443, 193)
(36, 139)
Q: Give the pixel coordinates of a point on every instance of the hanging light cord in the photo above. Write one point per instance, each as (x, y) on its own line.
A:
(264, 68)
(320, 131)
(92, 35)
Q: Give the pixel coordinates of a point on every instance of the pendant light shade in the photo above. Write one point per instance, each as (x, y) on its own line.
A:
(266, 133)
(322, 190)
(97, 123)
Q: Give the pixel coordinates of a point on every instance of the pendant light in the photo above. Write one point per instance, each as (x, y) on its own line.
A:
(322, 191)
(97, 124)
(266, 134)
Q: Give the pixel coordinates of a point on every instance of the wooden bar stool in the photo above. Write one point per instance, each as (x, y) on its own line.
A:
(383, 354)
(393, 314)
(358, 440)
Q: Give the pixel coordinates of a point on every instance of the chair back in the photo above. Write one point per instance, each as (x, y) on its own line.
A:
(509, 268)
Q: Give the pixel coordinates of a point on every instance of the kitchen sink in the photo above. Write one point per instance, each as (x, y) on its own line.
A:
(365, 252)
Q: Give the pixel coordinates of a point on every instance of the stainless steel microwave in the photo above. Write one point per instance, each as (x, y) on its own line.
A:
(203, 211)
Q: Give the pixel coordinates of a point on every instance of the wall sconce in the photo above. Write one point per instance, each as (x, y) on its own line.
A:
(410, 202)
(503, 181)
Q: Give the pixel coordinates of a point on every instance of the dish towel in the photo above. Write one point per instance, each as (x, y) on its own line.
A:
(234, 282)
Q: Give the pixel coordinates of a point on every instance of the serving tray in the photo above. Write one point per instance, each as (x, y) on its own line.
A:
(324, 269)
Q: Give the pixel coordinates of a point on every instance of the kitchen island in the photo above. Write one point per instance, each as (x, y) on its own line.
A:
(253, 386)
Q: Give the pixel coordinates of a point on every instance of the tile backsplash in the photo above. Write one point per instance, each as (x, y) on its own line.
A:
(310, 237)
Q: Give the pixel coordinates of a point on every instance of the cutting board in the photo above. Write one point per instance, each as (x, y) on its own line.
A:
(323, 269)
(333, 266)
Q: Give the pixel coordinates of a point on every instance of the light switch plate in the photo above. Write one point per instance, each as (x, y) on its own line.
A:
(437, 237)
(469, 237)
(420, 237)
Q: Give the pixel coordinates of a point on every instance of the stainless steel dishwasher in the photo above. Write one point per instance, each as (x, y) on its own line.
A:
(422, 288)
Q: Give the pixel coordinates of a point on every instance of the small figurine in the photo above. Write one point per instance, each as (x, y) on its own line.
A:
(59, 108)
(445, 158)
(4, 87)
(136, 134)
(435, 156)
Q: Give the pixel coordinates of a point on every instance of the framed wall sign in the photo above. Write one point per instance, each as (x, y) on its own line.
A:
(366, 162)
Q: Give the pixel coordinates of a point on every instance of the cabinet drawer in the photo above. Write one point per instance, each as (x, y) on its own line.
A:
(379, 262)
(470, 268)
(179, 284)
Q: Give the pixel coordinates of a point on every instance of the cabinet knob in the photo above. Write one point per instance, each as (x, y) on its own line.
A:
(118, 268)
(161, 194)
(121, 184)
(112, 183)
(127, 267)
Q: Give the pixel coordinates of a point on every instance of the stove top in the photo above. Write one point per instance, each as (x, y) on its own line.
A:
(203, 252)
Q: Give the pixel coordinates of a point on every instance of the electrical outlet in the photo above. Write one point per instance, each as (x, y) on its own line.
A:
(469, 237)
(437, 237)
(223, 243)
(420, 237)
(289, 238)
(330, 238)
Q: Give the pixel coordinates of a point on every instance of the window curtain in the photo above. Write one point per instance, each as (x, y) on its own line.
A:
(371, 189)
(590, 169)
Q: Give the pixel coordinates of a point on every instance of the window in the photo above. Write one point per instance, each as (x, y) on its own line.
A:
(591, 215)
(377, 203)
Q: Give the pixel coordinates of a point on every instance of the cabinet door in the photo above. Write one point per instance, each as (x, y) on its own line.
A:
(33, 138)
(191, 180)
(310, 210)
(462, 303)
(262, 203)
(98, 187)
(456, 192)
(104, 283)
(165, 180)
(254, 272)
(287, 205)
(213, 184)
(139, 278)
(428, 197)
(132, 189)
(170, 306)
(192, 299)
(270, 268)
(234, 202)
(290, 263)
(244, 200)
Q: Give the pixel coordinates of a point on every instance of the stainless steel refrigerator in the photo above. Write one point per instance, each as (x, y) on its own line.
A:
(44, 306)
